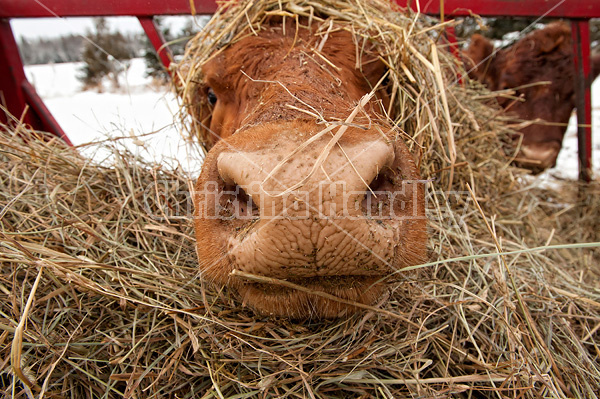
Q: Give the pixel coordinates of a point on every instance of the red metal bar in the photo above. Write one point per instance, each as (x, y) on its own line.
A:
(515, 8)
(158, 41)
(11, 73)
(98, 8)
(580, 31)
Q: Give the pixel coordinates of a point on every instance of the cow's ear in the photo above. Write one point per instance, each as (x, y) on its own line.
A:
(551, 40)
(480, 49)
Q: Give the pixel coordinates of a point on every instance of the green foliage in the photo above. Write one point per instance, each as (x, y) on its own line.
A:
(51, 50)
(104, 55)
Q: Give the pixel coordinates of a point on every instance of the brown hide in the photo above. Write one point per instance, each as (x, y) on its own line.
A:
(241, 80)
(265, 209)
(544, 55)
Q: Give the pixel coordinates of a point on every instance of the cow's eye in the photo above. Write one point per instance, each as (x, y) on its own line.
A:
(212, 97)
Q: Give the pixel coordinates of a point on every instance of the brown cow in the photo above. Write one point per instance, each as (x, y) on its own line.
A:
(544, 55)
(280, 197)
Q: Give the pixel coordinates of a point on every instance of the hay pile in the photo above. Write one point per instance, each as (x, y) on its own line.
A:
(100, 294)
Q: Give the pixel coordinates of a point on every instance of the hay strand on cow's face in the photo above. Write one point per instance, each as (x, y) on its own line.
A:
(121, 311)
(326, 149)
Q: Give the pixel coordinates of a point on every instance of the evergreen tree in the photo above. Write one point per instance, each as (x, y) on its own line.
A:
(176, 42)
(27, 52)
(104, 55)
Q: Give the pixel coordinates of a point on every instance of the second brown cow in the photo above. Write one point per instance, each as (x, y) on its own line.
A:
(544, 55)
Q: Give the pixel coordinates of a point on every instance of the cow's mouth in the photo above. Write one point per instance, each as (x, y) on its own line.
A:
(323, 297)
(325, 284)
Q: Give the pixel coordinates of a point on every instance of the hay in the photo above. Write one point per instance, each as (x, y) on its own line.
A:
(100, 293)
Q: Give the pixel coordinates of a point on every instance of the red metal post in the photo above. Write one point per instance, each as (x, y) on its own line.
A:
(580, 31)
(158, 41)
(452, 42)
(453, 45)
(11, 73)
(17, 92)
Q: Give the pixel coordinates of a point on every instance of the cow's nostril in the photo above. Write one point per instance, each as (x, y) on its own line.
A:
(376, 202)
(246, 205)
(237, 204)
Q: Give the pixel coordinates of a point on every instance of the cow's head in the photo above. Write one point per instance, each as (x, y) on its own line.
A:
(306, 181)
(540, 69)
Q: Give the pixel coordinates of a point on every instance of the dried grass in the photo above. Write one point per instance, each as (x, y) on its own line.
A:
(100, 293)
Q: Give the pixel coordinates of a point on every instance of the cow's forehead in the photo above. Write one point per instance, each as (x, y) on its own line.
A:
(274, 52)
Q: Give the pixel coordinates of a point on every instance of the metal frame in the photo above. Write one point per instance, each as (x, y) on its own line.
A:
(18, 94)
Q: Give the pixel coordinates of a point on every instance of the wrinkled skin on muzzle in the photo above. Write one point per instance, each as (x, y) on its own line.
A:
(278, 200)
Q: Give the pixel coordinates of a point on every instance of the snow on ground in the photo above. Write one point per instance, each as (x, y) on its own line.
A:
(138, 109)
